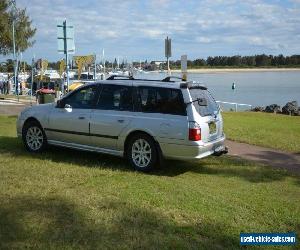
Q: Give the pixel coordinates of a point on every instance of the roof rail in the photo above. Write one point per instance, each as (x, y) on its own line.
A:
(168, 78)
(112, 77)
(192, 85)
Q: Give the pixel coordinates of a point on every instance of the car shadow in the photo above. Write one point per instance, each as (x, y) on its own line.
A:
(15, 147)
(57, 223)
(228, 166)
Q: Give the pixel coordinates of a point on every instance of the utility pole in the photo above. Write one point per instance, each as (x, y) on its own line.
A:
(95, 67)
(32, 76)
(103, 64)
(14, 12)
(65, 37)
(66, 52)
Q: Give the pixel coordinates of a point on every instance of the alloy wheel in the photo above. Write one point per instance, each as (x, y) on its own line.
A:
(141, 153)
(34, 138)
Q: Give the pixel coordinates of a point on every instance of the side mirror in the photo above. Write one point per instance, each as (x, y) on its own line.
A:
(202, 102)
(68, 107)
(59, 104)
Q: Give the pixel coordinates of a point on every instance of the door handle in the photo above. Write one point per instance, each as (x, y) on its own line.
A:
(120, 120)
(81, 117)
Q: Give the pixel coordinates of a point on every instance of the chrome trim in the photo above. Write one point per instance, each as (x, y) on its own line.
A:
(85, 147)
(80, 133)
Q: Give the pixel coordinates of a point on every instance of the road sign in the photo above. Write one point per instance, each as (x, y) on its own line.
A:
(168, 51)
(184, 67)
(65, 38)
(184, 63)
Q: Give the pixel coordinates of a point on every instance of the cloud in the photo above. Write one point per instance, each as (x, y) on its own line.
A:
(137, 29)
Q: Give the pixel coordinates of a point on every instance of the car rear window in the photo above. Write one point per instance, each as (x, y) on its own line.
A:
(211, 107)
(160, 100)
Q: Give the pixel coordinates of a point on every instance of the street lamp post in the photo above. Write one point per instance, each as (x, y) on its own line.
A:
(32, 79)
(14, 10)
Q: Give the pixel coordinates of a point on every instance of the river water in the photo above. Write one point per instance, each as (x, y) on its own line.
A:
(254, 88)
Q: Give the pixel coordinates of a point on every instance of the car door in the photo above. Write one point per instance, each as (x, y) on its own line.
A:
(69, 122)
(112, 114)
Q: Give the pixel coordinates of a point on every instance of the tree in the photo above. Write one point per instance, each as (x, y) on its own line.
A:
(262, 60)
(115, 64)
(199, 62)
(9, 65)
(24, 31)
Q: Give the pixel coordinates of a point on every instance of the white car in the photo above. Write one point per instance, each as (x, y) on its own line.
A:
(142, 120)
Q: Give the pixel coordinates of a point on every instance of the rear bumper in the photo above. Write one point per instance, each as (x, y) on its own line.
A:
(190, 152)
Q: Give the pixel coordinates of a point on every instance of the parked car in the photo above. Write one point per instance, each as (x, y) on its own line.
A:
(142, 120)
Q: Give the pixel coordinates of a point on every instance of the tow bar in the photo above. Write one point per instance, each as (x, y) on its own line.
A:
(220, 151)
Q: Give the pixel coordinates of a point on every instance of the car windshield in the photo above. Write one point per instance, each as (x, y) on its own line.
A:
(211, 107)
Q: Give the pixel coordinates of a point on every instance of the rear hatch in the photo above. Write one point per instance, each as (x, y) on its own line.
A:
(208, 117)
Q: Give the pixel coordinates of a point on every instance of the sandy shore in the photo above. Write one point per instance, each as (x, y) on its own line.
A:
(231, 70)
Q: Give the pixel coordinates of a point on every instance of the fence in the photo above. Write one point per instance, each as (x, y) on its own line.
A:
(235, 105)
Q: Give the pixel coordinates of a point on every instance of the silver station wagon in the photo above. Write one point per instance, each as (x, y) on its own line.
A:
(142, 120)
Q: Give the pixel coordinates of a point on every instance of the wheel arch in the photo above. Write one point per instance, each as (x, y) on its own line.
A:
(27, 125)
(134, 132)
(31, 119)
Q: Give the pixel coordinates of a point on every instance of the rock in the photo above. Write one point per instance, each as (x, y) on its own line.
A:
(273, 108)
(258, 109)
(291, 108)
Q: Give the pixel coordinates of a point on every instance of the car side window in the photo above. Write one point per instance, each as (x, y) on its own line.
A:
(115, 97)
(83, 98)
(160, 100)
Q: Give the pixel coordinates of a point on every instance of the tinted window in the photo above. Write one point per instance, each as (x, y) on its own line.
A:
(211, 107)
(161, 100)
(83, 98)
(115, 97)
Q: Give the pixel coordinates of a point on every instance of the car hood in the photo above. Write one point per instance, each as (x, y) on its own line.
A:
(37, 108)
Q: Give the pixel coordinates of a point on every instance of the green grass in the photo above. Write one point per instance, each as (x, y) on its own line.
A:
(263, 129)
(65, 199)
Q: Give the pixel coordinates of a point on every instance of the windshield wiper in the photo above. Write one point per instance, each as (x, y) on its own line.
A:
(201, 102)
(196, 100)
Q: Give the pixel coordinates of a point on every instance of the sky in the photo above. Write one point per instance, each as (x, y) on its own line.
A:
(136, 29)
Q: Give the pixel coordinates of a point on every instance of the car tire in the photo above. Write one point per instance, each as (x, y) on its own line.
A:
(142, 152)
(34, 137)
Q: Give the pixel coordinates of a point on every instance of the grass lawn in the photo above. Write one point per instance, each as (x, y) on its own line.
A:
(263, 129)
(66, 199)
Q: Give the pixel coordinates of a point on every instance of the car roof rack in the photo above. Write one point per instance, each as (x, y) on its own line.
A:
(192, 85)
(168, 79)
(122, 77)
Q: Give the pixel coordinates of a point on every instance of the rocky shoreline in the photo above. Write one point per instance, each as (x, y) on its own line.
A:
(291, 108)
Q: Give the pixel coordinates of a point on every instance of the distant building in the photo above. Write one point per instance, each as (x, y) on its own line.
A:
(158, 63)
(155, 65)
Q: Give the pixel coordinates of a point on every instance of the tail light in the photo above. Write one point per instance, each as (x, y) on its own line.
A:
(194, 131)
